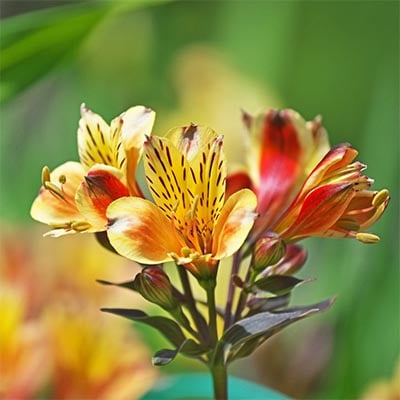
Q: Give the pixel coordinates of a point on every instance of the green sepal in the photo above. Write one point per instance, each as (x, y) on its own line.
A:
(169, 328)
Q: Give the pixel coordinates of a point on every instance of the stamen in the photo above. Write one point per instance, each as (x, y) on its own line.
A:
(367, 237)
(380, 198)
(54, 189)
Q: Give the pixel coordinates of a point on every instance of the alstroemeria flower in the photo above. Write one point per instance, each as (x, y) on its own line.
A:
(303, 188)
(190, 221)
(74, 197)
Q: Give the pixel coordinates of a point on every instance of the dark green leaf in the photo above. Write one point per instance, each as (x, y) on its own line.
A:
(169, 328)
(256, 329)
(126, 285)
(189, 347)
(262, 303)
(277, 284)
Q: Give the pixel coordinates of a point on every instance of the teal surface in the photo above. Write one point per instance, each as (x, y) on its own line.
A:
(199, 387)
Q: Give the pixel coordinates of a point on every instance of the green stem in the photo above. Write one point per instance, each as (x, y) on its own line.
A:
(220, 381)
(250, 277)
(191, 305)
(209, 286)
(231, 290)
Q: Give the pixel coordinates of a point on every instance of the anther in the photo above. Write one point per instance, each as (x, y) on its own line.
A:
(367, 237)
(80, 226)
(45, 174)
(62, 179)
(380, 198)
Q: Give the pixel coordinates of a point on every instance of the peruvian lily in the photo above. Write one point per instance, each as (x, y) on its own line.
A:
(303, 187)
(75, 196)
(189, 222)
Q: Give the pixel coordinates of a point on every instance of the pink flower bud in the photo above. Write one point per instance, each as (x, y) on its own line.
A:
(268, 251)
(154, 285)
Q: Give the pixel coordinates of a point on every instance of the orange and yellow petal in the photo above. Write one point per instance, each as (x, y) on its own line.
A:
(133, 125)
(55, 206)
(140, 231)
(101, 186)
(191, 139)
(234, 223)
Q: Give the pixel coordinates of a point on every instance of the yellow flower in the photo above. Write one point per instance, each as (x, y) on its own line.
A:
(74, 197)
(190, 221)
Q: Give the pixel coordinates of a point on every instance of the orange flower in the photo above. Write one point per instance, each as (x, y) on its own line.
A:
(74, 197)
(303, 188)
(190, 221)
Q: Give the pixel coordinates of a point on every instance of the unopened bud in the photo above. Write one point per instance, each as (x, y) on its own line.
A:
(268, 251)
(154, 285)
(294, 259)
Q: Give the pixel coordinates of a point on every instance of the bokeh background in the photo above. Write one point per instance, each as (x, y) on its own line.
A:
(192, 62)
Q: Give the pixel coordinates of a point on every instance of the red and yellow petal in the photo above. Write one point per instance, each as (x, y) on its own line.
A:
(234, 223)
(321, 208)
(57, 207)
(101, 186)
(140, 231)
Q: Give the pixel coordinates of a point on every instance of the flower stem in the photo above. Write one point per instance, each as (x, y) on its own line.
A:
(191, 305)
(250, 276)
(231, 290)
(209, 286)
(220, 381)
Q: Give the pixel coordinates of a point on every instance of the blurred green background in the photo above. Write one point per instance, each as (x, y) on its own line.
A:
(338, 59)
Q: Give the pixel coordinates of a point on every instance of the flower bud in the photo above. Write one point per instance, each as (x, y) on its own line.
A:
(293, 260)
(268, 251)
(154, 285)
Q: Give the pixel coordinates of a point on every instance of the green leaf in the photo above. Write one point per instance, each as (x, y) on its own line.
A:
(126, 285)
(33, 44)
(277, 284)
(189, 348)
(256, 329)
(261, 303)
(169, 328)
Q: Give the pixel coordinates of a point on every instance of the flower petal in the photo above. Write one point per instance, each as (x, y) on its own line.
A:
(60, 211)
(134, 124)
(139, 231)
(102, 185)
(236, 181)
(234, 223)
(97, 143)
(283, 149)
(191, 139)
(320, 210)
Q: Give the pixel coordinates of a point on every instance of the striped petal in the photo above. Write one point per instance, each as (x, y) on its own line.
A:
(234, 223)
(102, 185)
(97, 143)
(139, 231)
(56, 206)
(134, 124)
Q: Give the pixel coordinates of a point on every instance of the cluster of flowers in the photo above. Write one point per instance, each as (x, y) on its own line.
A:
(292, 185)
